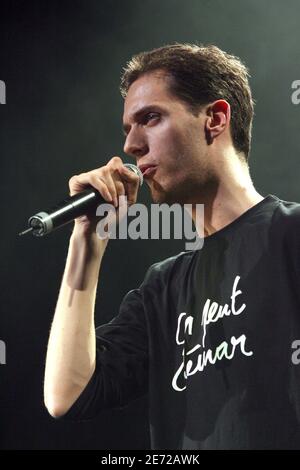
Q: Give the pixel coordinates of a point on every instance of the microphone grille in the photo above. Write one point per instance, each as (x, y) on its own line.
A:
(136, 170)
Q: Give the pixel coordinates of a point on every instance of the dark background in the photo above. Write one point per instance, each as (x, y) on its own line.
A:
(61, 62)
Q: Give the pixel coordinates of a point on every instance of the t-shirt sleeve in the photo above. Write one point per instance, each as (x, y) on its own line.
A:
(286, 234)
(290, 225)
(121, 373)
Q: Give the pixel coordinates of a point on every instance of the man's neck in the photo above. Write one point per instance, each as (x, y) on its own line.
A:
(233, 195)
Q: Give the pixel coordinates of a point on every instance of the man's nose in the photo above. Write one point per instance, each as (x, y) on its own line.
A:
(135, 144)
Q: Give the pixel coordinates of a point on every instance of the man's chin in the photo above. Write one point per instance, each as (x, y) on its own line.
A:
(161, 195)
(164, 198)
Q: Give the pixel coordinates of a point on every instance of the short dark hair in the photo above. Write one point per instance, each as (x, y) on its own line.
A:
(201, 74)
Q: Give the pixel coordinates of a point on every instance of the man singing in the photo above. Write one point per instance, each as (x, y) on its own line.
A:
(209, 334)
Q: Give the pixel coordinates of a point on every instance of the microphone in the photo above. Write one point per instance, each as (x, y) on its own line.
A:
(67, 210)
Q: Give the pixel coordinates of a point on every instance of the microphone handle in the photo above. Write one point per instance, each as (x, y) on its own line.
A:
(64, 212)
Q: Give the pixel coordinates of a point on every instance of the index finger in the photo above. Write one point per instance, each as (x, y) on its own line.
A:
(133, 182)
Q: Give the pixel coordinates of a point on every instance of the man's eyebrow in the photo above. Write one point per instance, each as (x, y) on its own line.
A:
(139, 113)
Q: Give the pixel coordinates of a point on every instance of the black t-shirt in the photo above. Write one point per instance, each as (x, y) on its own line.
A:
(212, 336)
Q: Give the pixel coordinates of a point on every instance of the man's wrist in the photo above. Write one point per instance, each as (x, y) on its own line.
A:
(89, 238)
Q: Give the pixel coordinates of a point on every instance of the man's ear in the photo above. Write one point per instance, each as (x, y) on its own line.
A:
(218, 119)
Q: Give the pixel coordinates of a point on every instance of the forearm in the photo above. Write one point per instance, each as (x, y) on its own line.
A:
(71, 351)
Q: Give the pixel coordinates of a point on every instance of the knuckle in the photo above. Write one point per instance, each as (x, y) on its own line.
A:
(114, 163)
(105, 170)
(73, 178)
(93, 178)
(116, 160)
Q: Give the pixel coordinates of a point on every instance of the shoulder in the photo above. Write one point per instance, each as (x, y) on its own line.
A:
(285, 234)
(286, 217)
(166, 270)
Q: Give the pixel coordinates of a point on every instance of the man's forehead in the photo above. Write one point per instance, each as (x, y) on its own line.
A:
(151, 88)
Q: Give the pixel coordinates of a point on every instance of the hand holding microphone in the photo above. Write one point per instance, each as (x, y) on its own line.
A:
(87, 191)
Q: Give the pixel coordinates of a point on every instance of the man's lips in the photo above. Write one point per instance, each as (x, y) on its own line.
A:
(148, 170)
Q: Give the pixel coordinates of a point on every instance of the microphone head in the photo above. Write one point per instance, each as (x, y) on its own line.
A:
(136, 170)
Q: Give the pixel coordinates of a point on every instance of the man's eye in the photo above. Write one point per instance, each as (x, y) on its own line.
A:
(150, 116)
